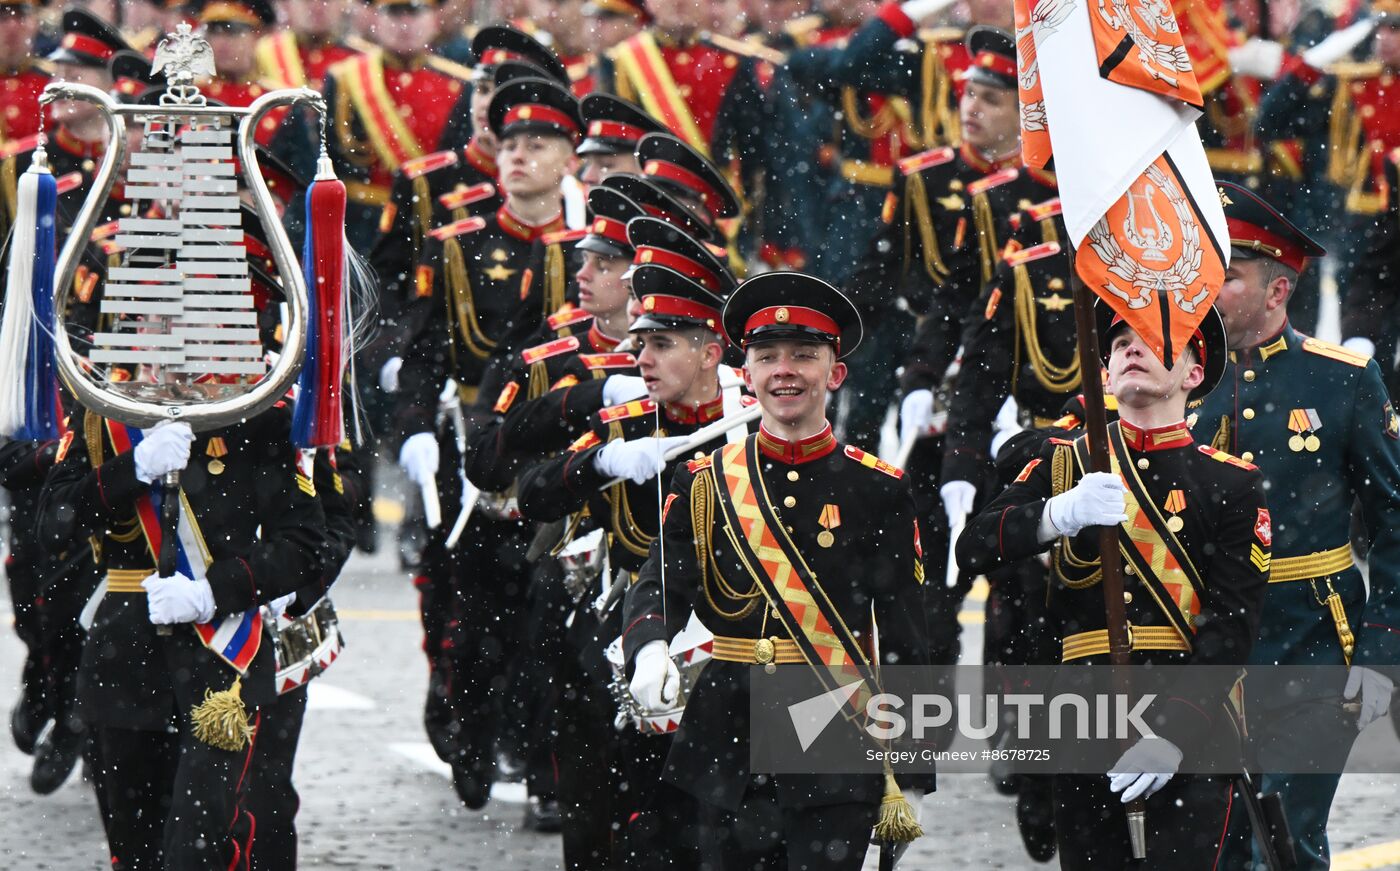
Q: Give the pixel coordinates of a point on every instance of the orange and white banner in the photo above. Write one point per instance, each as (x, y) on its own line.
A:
(1111, 86)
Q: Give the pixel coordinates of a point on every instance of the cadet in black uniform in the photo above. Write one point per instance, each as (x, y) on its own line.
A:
(174, 785)
(841, 506)
(1204, 507)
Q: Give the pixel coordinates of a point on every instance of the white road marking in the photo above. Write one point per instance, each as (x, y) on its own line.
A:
(321, 696)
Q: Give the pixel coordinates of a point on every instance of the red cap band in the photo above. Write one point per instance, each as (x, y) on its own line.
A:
(615, 130)
(1246, 235)
(997, 63)
(682, 264)
(87, 45)
(496, 56)
(792, 314)
(536, 113)
(689, 180)
(610, 229)
(680, 307)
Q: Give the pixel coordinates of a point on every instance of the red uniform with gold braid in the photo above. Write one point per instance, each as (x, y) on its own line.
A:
(293, 61)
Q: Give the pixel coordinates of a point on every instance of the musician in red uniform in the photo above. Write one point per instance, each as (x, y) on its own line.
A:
(298, 55)
(22, 77)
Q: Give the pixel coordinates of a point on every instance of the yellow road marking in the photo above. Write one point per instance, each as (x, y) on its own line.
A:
(1383, 855)
(388, 510)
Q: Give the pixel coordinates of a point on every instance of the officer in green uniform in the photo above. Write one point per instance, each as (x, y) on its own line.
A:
(1316, 419)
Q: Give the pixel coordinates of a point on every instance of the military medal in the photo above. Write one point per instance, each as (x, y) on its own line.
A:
(216, 449)
(1304, 424)
(1176, 502)
(830, 519)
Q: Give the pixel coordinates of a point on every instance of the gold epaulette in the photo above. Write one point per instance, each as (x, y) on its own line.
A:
(429, 163)
(554, 348)
(1356, 69)
(996, 179)
(635, 408)
(561, 236)
(458, 228)
(615, 360)
(700, 463)
(567, 318)
(448, 67)
(1335, 352)
(924, 160)
(466, 196)
(870, 461)
(1022, 256)
(1220, 456)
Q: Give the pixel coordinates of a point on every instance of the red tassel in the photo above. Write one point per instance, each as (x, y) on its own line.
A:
(327, 231)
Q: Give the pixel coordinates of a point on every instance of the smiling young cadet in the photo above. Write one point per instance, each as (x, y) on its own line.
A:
(1317, 420)
(1166, 495)
(680, 353)
(829, 507)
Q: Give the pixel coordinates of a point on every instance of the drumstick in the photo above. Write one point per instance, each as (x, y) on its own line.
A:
(951, 580)
(705, 434)
(432, 509)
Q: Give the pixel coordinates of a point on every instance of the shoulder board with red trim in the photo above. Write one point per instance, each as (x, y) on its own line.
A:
(19, 146)
(926, 159)
(700, 464)
(566, 318)
(1047, 209)
(458, 228)
(420, 166)
(870, 461)
(1223, 457)
(104, 231)
(1059, 441)
(534, 355)
(635, 408)
(69, 182)
(1032, 254)
(584, 442)
(562, 236)
(1069, 421)
(616, 360)
(506, 398)
(1334, 352)
(466, 196)
(996, 179)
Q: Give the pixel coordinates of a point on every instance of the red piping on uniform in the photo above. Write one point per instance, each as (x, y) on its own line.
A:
(1001, 524)
(1229, 803)
(634, 623)
(1203, 714)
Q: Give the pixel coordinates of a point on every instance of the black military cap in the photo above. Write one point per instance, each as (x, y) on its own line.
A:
(1208, 342)
(234, 14)
(1257, 230)
(87, 41)
(683, 170)
(496, 44)
(510, 70)
(993, 53)
(671, 301)
(636, 9)
(659, 204)
(777, 306)
(614, 126)
(659, 243)
(132, 77)
(534, 106)
(607, 232)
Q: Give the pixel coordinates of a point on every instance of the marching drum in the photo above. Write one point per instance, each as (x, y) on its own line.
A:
(307, 645)
(690, 650)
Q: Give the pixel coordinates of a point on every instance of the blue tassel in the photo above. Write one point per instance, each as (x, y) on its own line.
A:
(304, 411)
(42, 413)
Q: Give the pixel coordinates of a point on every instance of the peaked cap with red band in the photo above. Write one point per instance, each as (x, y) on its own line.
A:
(676, 166)
(496, 44)
(1257, 230)
(614, 126)
(659, 243)
(779, 306)
(656, 203)
(993, 53)
(607, 227)
(1208, 342)
(671, 301)
(253, 14)
(534, 106)
(87, 41)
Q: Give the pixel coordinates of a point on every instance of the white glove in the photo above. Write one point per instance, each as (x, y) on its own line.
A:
(1097, 500)
(163, 449)
(918, 10)
(1260, 58)
(915, 415)
(278, 606)
(1360, 345)
(637, 460)
(178, 599)
(389, 375)
(1144, 768)
(957, 500)
(1338, 45)
(656, 682)
(623, 388)
(419, 458)
(1375, 689)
